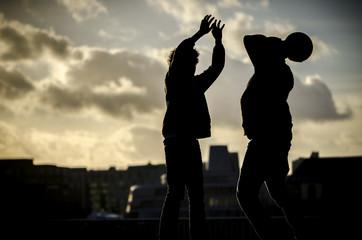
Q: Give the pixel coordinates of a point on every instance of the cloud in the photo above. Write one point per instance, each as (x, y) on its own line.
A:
(11, 143)
(242, 24)
(313, 100)
(70, 148)
(5, 112)
(321, 48)
(148, 142)
(119, 84)
(124, 105)
(84, 9)
(123, 83)
(58, 46)
(186, 11)
(229, 3)
(224, 95)
(121, 90)
(126, 34)
(23, 42)
(235, 28)
(13, 84)
(237, 23)
(18, 45)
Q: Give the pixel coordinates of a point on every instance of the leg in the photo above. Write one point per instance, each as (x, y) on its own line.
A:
(195, 190)
(170, 212)
(250, 180)
(175, 191)
(278, 190)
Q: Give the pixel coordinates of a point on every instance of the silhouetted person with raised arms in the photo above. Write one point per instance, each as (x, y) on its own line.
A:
(267, 122)
(186, 120)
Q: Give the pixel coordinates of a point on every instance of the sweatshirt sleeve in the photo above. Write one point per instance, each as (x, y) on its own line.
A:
(208, 77)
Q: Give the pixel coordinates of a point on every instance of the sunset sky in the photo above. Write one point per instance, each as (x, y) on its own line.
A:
(81, 82)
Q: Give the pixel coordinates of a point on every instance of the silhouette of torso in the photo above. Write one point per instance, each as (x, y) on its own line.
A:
(265, 110)
(187, 113)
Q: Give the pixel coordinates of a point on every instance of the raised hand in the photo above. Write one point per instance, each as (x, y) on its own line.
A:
(217, 30)
(206, 26)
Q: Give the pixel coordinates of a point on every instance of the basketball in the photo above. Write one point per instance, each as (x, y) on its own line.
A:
(299, 46)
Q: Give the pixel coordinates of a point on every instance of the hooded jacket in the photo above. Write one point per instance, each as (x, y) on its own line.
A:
(264, 106)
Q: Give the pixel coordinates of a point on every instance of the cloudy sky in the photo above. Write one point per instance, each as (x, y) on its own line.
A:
(81, 82)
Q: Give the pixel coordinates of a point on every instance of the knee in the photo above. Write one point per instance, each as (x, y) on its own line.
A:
(245, 197)
(280, 196)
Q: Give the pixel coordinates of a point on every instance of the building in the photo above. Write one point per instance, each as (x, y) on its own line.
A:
(42, 191)
(52, 192)
(109, 189)
(220, 180)
(327, 186)
(324, 186)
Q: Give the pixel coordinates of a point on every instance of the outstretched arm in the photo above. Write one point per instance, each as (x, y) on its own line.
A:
(218, 55)
(207, 78)
(189, 43)
(217, 32)
(205, 28)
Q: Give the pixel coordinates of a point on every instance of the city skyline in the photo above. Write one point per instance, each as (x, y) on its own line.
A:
(81, 82)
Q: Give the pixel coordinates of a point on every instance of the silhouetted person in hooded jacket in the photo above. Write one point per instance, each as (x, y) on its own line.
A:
(267, 122)
(186, 120)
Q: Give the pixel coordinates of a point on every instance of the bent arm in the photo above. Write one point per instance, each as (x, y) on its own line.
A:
(255, 46)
